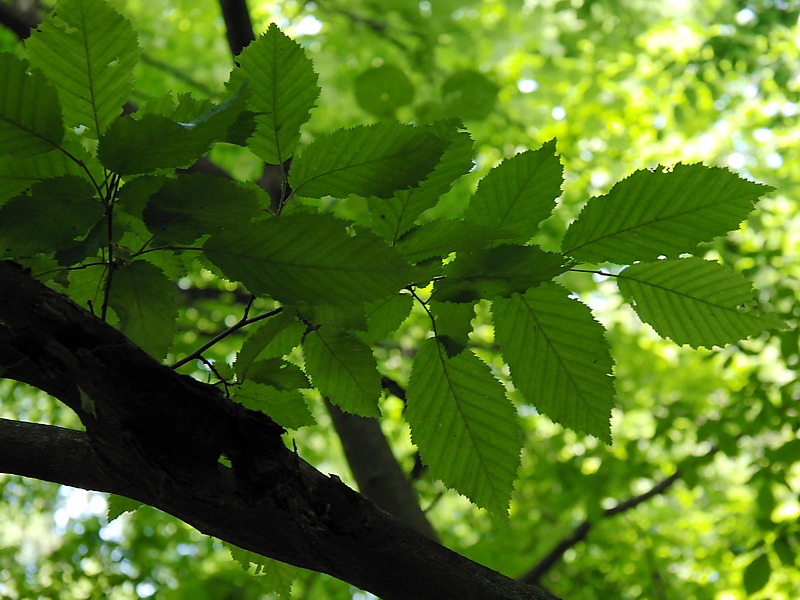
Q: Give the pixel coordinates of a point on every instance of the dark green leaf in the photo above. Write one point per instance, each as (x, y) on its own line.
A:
(118, 505)
(392, 217)
(693, 301)
(194, 205)
(57, 212)
(88, 50)
(558, 356)
(274, 338)
(285, 407)
(145, 301)
(375, 160)
(284, 90)
(309, 258)
(464, 426)
(440, 238)
(344, 370)
(519, 193)
(278, 373)
(469, 95)
(497, 271)
(18, 173)
(30, 116)
(385, 316)
(662, 212)
(453, 325)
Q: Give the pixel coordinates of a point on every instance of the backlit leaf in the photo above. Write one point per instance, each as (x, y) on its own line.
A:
(693, 301)
(519, 193)
(465, 428)
(308, 258)
(374, 160)
(88, 50)
(655, 213)
(343, 368)
(558, 356)
(30, 116)
(284, 90)
(285, 407)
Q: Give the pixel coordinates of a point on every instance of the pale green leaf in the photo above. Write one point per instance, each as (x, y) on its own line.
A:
(309, 258)
(392, 217)
(30, 115)
(558, 356)
(661, 212)
(286, 407)
(57, 212)
(497, 271)
(88, 50)
(519, 193)
(273, 338)
(465, 428)
(374, 160)
(344, 370)
(284, 90)
(694, 301)
(145, 301)
(277, 577)
(118, 505)
(194, 205)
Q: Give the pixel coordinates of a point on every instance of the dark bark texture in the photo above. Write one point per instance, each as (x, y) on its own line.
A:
(157, 436)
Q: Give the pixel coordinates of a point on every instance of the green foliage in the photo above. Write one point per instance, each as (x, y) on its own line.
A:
(120, 219)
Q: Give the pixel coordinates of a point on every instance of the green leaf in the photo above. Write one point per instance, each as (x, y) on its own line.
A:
(194, 205)
(88, 50)
(277, 576)
(497, 271)
(132, 146)
(19, 173)
(374, 160)
(279, 374)
(440, 238)
(308, 258)
(57, 212)
(558, 356)
(757, 574)
(453, 324)
(392, 217)
(465, 428)
(284, 90)
(119, 505)
(343, 369)
(285, 407)
(662, 212)
(382, 90)
(469, 94)
(519, 193)
(693, 301)
(30, 116)
(385, 316)
(145, 301)
(274, 338)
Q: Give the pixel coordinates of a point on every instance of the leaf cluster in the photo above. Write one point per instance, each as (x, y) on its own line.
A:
(104, 204)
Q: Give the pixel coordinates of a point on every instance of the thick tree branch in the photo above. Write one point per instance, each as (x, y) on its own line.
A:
(157, 436)
(238, 26)
(18, 21)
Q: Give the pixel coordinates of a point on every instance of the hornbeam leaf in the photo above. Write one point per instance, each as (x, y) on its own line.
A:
(309, 259)
(344, 369)
(194, 204)
(519, 193)
(18, 173)
(285, 407)
(558, 356)
(694, 301)
(394, 216)
(465, 428)
(497, 271)
(374, 160)
(284, 90)
(441, 237)
(145, 301)
(655, 213)
(271, 339)
(88, 50)
(30, 116)
(57, 212)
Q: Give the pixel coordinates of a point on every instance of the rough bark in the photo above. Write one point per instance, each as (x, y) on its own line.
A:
(157, 436)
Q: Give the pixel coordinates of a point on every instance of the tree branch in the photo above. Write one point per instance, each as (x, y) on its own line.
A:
(157, 436)
(18, 21)
(238, 26)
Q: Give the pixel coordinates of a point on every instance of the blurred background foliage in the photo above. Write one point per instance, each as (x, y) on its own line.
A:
(621, 84)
